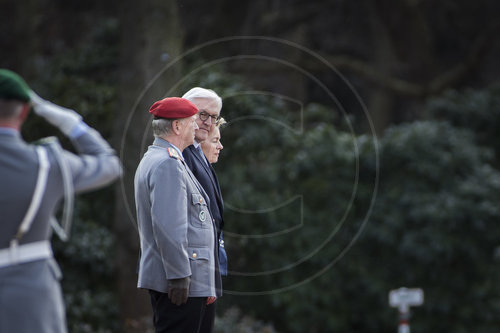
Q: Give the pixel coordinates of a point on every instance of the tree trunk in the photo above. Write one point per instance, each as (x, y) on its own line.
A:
(150, 40)
(19, 39)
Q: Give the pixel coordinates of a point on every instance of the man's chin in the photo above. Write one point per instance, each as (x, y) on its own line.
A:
(201, 136)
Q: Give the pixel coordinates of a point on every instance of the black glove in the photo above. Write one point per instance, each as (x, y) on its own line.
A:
(178, 290)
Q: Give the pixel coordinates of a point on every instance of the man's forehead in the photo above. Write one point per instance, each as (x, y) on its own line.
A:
(206, 105)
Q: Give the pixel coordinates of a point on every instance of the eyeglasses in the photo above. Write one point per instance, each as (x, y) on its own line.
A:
(204, 116)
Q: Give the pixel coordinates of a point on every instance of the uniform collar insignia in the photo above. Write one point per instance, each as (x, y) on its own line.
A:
(173, 153)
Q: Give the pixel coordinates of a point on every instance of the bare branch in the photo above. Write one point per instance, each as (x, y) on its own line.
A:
(439, 83)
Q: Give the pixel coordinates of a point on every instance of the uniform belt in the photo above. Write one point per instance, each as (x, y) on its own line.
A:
(25, 253)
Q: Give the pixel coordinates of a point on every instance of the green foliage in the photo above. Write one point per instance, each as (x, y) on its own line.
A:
(86, 261)
(433, 223)
(233, 322)
(293, 212)
(81, 78)
(436, 215)
(477, 110)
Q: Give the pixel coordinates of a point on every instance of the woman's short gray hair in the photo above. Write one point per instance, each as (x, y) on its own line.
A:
(161, 127)
(198, 92)
(220, 122)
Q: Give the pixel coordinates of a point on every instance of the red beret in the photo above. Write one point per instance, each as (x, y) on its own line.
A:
(173, 108)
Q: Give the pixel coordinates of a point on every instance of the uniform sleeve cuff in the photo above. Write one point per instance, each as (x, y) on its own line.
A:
(78, 130)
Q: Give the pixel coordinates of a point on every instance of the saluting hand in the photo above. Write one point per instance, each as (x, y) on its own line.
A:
(63, 118)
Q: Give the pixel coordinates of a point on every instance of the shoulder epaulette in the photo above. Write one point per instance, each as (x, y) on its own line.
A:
(173, 153)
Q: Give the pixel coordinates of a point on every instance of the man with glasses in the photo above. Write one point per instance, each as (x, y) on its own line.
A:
(209, 105)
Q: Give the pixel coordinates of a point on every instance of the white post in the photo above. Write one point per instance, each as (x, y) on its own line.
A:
(404, 321)
(402, 299)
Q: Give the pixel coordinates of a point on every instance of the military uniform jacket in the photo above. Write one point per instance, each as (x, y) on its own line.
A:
(30, 294)
(176, 231)
(95, 165)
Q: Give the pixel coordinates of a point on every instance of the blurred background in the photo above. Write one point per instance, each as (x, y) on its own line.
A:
(361, 154)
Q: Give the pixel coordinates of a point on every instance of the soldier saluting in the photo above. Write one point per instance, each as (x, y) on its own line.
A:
(33, 181)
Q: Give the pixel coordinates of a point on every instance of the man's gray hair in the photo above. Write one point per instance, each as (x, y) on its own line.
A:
(162, 127)
(10, 108)
(198, 92)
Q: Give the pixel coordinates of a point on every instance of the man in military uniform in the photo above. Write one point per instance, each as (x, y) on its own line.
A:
(32, 185)
(177, 235)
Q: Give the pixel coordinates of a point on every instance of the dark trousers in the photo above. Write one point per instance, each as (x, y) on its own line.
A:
(195, 316)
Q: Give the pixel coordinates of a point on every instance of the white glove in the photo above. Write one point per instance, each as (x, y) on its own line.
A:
(62, 118)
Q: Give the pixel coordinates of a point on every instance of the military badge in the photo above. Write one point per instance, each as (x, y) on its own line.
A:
(173, 153)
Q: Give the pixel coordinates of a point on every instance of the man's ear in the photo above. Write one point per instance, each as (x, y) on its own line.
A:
(176, 126)
(25, 111)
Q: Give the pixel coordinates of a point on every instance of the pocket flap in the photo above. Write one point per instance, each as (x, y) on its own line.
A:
(198, 199)
(199, 253)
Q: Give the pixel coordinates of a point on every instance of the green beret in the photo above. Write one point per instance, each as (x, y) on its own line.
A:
(13, 87)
